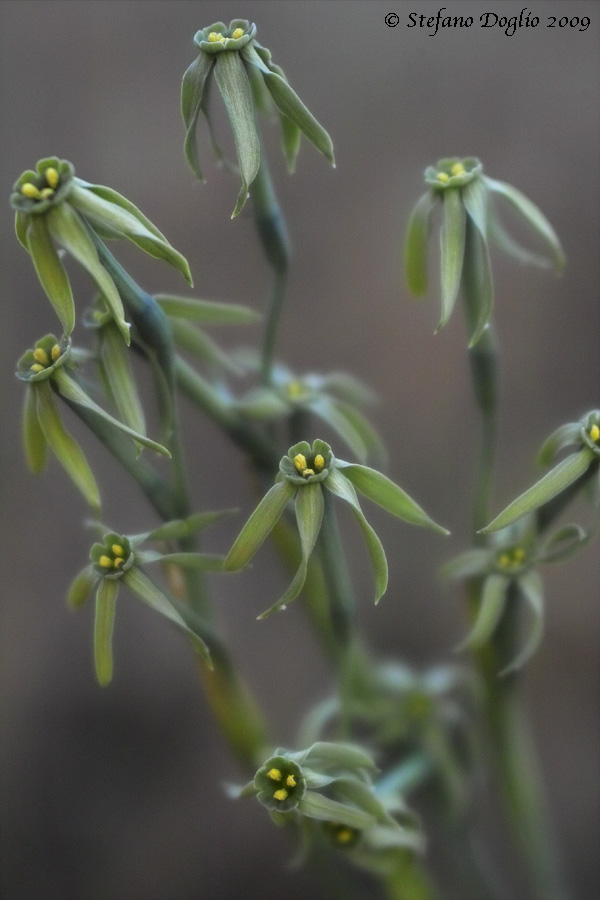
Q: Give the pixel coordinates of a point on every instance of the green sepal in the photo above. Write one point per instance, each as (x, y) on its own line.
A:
(81, 588)
(493, 602)
(207, 312)
(290, 105)
(139, 584)
(471, 562)
(65, 225)
(477, 283)
(532, 590)
(259, 525)
(50, 272)
(66, 450)
(452, 251)
(385, 493)
(178, 529)
(235, 89)
(532, 215)
(553, 483)
(106, 597)
(316, 806)
(192, 95)
(70, 390)
(119, 379)
(34, 442)
(343, 488)
(564, 436)
(207, 562)
(309, 516)
(415, 248)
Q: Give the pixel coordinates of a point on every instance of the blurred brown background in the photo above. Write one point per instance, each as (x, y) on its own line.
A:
(117, 793)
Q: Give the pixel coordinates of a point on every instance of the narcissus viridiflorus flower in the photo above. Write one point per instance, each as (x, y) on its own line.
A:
(304, 474)
(469, 224)
(248, 81)
(53, 205)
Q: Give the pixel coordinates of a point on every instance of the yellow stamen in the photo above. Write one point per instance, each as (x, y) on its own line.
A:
(458, 169)
(281, 794)
(308, 472)
(36, 367)
(294, 389)
(214, 37)
(41, 356)
(31, 191)
(504, 560)
(345, 835)
(300, 462)
(119, 562)
(442, 176)
(238, 33)
(106, 562)
(319, 462)
(46, 192)
(519, 554)
(290, 781)
(274, 775)
(52, 177)
(594, 432)
(117, 550)
(55, 352)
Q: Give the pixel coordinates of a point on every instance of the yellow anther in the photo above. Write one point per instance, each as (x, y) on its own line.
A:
(308, 472)
(37, 367)
(55, 352)
(274, 775)
(238, 33)
(594, 432)
(504, 560)
(214, 37)
(52, 177)
(319, 462)
(46, 192)
(106, 562)
(345, 835)
(290, 781)
(281, 794)
(117, 550)
(294, 389)
(31, 191)
(119, 562)
(41, 356)
(458, 169)
(442, 176)
(519, 554)
(300, 462)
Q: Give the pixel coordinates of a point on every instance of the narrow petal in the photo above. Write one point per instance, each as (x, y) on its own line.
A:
(259, 525)
(493, 601)
(472, 562)
(415, 249)
(51, 273)
(502, 239)
(106, 597)
(452, 248)
(316, 806)
(81, 588)
(562, 437)
(207, 312)
(34, 441)
(531, 587)
(333, 415)
(477, 283)
(192, 94)
(114, 357)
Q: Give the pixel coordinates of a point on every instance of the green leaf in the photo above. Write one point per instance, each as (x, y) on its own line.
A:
(555, 481)
(34, 441)
(106, 597)
(207, 312)
(415, 250)
(192, 94)
(234, 86)
(289, 104)
(96, 209)
(66, 450)
(382, 491)
(315, 806)
(51, 273)
(309, 515)
(562, 437)
(532, 215)
(493, 602)
(452, 249)
(68, 229)
(531, 587)
(477, 283)
(146, 590)
(70, 390)
(472, 562)
(81, 588)
(341, 487)
(119, 378)
(259, 525)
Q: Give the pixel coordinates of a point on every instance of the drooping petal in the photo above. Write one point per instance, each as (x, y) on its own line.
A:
(562, 437)
(192, 94)
(114, 359)
(532, 589)
(477, 283)
(316, 806)
(471, 562)
(259, 525)
(34, 441)
(206, 312)
(81, 588)
(415, 250)
(106, 597)
(51, 273)
(452, 249)
(493, 602)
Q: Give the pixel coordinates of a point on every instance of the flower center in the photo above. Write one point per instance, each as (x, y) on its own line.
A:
(115, 560)
(52, 180)
(304, 469)
(42, 360)
(512, 559)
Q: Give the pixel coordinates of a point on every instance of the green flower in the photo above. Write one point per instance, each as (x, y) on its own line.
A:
(305, 472)
(469, 224)
(247, 80)
(583, 438)
(54, 206)
(118, 559)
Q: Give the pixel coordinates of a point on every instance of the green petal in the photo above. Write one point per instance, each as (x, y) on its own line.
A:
(452, 248)
(116, 199)
(530, 586)
(382, 491)
(324, 755)
(566, 542)
(51, 273)
(68, 453)
(475, 199)
(477, 283)
(415, 250)
(555, 481)
(114, 358)
(289, 104)
(187, 337)
(21, 223)
(106, 597)
(309, 515)
(493, 601)
(34, 441)
(342, 487)
(472, 562)
(263, 404)
(81, 588)
(146, 590)
(562, 437)
(65, 225)
(363, 428)
(70, 390)
(192, 94)
(207, 312)
(502, 239)
(182, 528)
(315, 806)
(532, 215)
(207, 562)
(332, 413)
(234, 86)
(259, 525)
